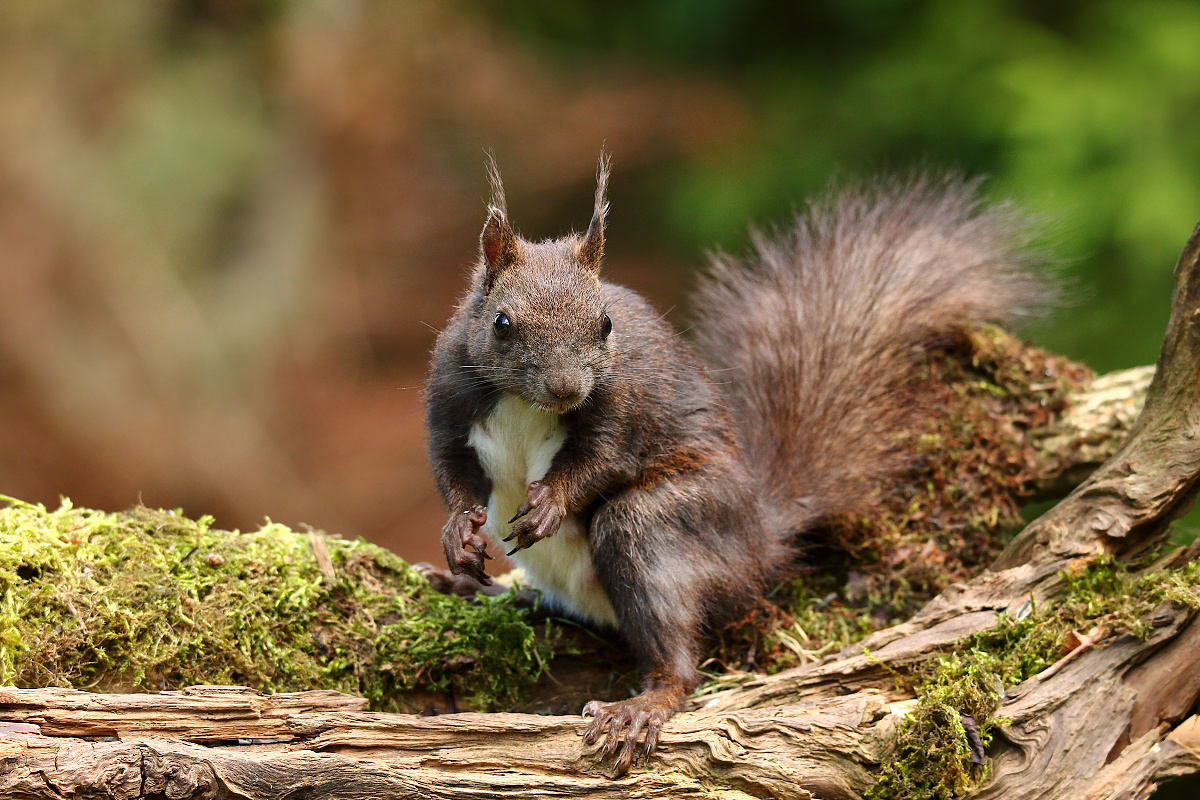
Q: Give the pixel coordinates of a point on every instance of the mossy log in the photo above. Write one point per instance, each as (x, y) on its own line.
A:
(1066, 670)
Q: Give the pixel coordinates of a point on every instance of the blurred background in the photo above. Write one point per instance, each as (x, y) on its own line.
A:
(230, 228)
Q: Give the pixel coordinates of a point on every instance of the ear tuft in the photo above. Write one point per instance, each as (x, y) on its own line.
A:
(497, 203)
(591, 250)
(497, 242)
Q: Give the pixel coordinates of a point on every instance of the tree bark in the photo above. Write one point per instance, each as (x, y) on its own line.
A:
(1110, 721)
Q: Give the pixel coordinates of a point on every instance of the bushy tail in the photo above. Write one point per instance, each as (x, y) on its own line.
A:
(818, 333)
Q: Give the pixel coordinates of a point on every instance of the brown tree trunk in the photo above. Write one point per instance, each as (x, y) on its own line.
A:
(1109, 721)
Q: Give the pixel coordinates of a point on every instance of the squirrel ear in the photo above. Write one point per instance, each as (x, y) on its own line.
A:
(591, 250)
(497, 242)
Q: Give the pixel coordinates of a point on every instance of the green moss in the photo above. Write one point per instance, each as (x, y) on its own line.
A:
(929, 760)
(148, 599)
(931, 755)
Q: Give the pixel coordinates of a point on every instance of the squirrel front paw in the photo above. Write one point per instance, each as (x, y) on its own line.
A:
(461, 532)
(538, 517)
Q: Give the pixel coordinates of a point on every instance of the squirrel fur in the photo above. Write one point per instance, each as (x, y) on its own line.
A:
(638, 491)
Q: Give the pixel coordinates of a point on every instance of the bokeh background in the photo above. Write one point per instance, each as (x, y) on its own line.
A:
(229, 228)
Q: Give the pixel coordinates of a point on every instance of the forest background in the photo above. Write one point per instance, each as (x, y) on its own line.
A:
(230, 228)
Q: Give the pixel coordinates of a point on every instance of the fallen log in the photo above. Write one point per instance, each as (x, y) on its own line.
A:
(890, 716)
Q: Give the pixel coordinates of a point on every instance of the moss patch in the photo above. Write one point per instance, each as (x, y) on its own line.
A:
(150, 600)
(930, 755)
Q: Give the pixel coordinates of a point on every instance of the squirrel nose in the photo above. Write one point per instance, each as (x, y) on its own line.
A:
(563, 387)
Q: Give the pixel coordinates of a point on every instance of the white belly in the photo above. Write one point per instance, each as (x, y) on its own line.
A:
(515, 445)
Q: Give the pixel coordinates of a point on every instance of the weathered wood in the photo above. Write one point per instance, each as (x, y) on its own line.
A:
(1062, 732)
(197, 713)
(1107, 724)
(1099, 415)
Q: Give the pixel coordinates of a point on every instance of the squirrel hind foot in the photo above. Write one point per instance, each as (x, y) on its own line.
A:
(622, 723)
(443, 581)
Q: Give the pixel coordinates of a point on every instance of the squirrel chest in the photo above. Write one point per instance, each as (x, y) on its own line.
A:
(515, 444)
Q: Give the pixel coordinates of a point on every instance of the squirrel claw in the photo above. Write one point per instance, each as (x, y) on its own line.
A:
(536, 494)
(652, 734)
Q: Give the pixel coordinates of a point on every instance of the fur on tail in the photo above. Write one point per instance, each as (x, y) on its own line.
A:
(819, 331)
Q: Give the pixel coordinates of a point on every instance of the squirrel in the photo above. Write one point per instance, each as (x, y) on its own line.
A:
(568, 420)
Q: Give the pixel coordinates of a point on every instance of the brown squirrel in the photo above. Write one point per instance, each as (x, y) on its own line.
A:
(568, 419)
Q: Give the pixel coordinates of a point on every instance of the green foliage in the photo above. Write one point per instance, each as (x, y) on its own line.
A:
(151, 600)
(1084, 112)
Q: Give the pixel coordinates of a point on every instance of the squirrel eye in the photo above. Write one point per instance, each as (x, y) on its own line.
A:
(502, 325)
(605, 326)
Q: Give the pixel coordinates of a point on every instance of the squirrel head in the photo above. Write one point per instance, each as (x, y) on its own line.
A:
(540, 326)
